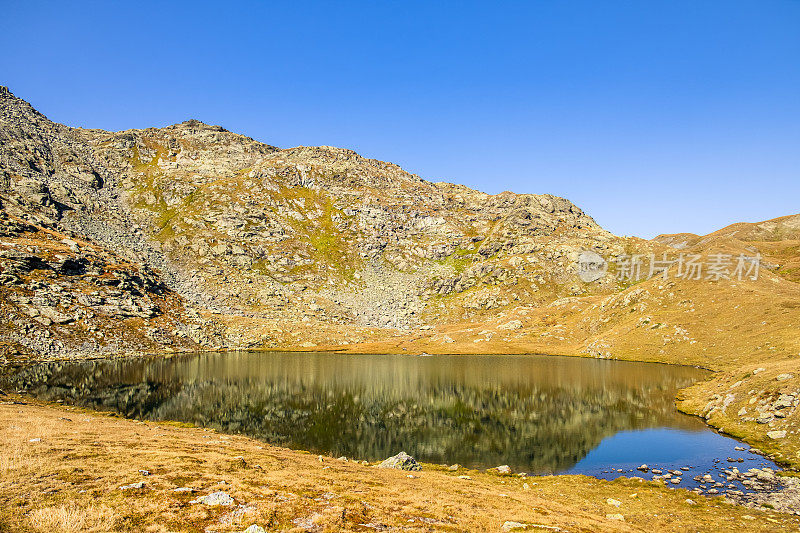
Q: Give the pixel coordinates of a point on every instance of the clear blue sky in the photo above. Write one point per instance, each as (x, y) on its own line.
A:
(653, 117)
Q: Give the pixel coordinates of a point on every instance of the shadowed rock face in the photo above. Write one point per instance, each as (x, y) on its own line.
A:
(240, 227)
(535, 414)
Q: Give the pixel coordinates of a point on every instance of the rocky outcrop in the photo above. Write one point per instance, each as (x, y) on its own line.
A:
(61, 295)
(401, 461)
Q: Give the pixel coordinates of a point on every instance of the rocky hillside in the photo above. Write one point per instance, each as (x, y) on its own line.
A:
(235, 232)
(193, 237)
(777, 239)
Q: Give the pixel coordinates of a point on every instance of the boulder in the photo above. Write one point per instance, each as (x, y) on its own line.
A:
(513, 324)
(215, 499)
(139, 485)
(503, 469)
(401, 461)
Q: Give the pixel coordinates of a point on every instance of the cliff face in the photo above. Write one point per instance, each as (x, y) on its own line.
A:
(227, 225)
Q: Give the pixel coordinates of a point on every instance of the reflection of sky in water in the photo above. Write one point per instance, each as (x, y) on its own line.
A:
(535, 413)
(704, 451)
(662, 446)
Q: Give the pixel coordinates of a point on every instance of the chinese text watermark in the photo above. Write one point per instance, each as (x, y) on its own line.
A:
(636, 267)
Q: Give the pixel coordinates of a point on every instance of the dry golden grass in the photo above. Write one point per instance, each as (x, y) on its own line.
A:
(71, 478)
(71, 518)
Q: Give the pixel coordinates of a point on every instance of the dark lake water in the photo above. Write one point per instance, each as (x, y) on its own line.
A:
(537, 414)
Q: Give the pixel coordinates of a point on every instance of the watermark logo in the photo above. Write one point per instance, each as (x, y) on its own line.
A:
(591, 266)
(715, 267)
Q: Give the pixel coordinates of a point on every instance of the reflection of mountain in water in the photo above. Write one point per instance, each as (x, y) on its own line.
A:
(539, 414)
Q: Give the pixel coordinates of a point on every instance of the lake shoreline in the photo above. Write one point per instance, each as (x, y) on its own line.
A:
(687, 401)
(284, 487)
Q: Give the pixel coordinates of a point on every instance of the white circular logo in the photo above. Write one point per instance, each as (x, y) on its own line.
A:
(591, 266)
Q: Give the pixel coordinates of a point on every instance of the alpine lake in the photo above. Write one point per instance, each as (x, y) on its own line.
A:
(536, 414)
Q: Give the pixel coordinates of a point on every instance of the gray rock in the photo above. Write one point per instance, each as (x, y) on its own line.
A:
(215, 499)
(503, 469)
(139, 485)
(401, 461)
(510, 525)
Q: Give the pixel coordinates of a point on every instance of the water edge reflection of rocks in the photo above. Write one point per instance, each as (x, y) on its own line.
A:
(535, 413)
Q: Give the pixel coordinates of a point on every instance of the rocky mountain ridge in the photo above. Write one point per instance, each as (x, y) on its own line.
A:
(230, 226)
(193, 237)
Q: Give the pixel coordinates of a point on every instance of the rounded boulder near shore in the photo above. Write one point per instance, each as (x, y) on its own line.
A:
(401, 461)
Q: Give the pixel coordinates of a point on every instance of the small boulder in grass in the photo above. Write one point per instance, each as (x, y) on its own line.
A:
(214, 499)
(503, 470)
(401, 461)
(255, 529)
(511, 525)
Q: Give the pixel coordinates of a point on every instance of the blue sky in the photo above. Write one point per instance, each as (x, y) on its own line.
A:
(653, 117)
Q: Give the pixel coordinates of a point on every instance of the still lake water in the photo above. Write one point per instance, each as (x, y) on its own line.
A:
(537, 414)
